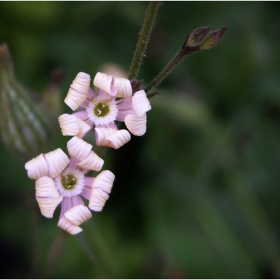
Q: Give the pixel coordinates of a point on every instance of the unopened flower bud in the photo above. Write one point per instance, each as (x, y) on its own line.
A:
(23, 128)
(197, 36)
(212, 39)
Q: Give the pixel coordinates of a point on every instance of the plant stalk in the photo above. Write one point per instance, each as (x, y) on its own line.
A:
(166, 70)
(143, 40)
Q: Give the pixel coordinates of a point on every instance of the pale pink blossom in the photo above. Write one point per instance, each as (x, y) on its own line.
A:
(113, 102)
(62, 180)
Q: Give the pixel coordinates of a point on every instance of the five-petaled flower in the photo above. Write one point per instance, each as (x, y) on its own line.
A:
(113, 102)
(62, 180)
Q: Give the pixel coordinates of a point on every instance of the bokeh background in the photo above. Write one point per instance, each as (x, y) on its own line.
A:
(198, 195)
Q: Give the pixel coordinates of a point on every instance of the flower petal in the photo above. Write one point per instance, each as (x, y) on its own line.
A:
(37, 167)
(68, 226)
(97, 200)
(48, 205)
(71, 125)
(92, 162)
(122, 114)
(66, 204)
(78, 148)
(86, 192)
(101, 133)
(88, 182)
(104, 181)
(57, 161)
(136, 124)
(45, 187)
(125, 104)
(77, 200)
(105, 82)
(78, 214)
(83, 115)
(91, 94)
(77, 93)
(68, 124)
(84, 128)
(112, 125)
(101, 189)
(140, 103)
(119, 138)
(47, 196)
(124, 108)
(123, 87)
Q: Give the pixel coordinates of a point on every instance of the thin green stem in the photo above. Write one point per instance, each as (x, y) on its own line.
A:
(166, 71)
(197, 41)
(143, 40)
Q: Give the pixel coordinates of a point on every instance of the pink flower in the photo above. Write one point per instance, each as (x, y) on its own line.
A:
(113, 102)
(62, 180)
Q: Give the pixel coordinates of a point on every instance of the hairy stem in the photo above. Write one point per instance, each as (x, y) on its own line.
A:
(197, 41)
(143, 40)
(167, 69)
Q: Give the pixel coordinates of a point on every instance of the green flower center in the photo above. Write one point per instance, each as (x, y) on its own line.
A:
(69, 182)
(101, 109)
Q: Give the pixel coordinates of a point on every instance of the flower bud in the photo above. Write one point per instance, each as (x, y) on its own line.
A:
(197, 36)
(213, 39)
(23, 128)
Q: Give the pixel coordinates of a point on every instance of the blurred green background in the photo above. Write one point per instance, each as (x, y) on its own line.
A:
(198, 195)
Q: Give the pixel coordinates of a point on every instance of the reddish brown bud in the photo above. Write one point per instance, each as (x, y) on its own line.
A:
(214, 38)
(197, 36)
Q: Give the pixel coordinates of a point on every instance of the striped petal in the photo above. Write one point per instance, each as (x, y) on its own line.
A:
(68, 124)
(105, 83)
(45, 187)
(101, 189)
(123, 87)
(47, 196)
(92, 162)
(57, 161)
(101, 134)
(78, 214)
(68, 226)
(136, 124)
(48, 205)
(37, 167)
(97, 200)
(84, 128)
(78, 148)
(119, 138)
(140, 103)
(71, 125)
(78, 91)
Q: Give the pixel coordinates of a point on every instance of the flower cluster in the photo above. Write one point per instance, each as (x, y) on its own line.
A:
(60, 180)
(112, 102)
